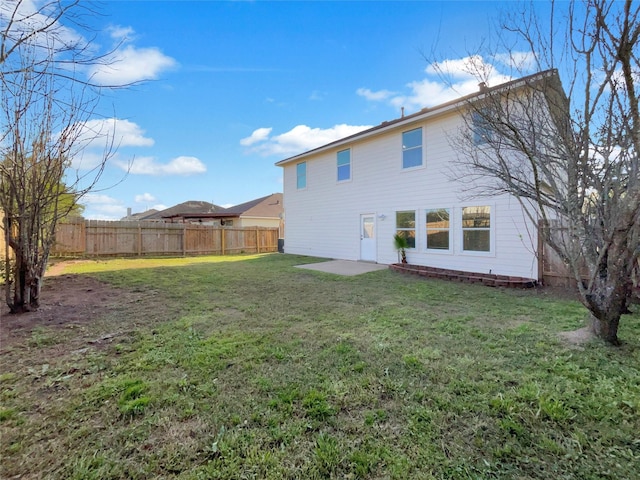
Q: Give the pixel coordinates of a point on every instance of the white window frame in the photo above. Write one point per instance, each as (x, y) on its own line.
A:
(407, 229)
(450, 229)
(490, 229)
(421, 147)
(338, 179)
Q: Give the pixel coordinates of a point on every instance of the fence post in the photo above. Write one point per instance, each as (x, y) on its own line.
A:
(541, 250)
(184, 240)
(83, 236)
(222, 235)
(257, 241)
(139, 239)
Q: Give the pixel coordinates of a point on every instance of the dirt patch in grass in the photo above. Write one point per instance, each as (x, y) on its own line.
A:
(578, 337)
(68, 301)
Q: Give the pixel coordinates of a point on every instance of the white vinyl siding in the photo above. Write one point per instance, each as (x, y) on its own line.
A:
(324, 221)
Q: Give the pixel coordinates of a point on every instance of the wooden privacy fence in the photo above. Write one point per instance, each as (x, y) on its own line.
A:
(553, 270)
(106, 238)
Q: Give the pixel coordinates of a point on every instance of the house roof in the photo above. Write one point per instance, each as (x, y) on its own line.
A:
(266, 207)
(428, 112)
(143, 215)
(269, 206)
(189, 207)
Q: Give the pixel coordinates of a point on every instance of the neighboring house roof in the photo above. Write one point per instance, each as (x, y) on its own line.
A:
(144, 215)
(136, 217)
(263, 207)
(190, 207)
(429, 112)
(269, 206)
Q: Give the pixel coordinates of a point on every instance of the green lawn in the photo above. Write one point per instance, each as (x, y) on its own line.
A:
(246, 367)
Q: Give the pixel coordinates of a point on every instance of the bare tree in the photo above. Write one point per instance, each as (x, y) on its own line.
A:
(46, 103)
(570, 155)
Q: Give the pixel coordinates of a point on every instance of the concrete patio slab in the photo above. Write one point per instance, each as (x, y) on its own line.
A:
(344, 267)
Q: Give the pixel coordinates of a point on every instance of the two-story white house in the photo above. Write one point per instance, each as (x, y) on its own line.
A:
(347, 199)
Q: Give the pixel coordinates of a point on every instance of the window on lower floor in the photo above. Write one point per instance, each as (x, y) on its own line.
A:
(301, 175)
(476, 229)
(438, 229)
(406, 226)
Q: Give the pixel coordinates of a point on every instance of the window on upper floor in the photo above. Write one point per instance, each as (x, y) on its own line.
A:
(412, 148)
(476, 229)
(482, 132)
(438, 229)
(344, 165)
(301, 175)
(406, 226)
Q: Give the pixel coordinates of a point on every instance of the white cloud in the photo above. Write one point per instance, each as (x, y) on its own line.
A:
(102, 207)
(522, 61)
(471, 67)
(121, 33)
(182, 166)
(87, 159)
(130, 64)
(618, 80)
(463, 74)
(36, 16)
(257, 136)
(123, 132)
(426, 93)
(98, 199)
(375, 96)
(96, 136)
(125, 65)
(144, 198)
(302, 138)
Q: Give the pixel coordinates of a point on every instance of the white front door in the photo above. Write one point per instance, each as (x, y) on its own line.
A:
(368, 237)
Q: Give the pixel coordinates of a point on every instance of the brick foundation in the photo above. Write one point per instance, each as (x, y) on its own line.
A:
(488, 279)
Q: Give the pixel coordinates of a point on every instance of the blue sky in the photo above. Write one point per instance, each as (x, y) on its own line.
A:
(230, 88)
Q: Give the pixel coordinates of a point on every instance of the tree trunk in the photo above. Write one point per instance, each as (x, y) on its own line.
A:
(607, 301)
(26, 287)
(608, 293)
(606, 329)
